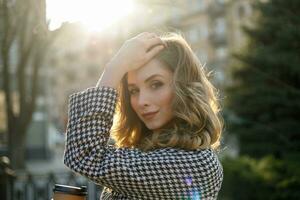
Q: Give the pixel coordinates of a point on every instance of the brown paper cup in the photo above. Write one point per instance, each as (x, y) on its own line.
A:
(66, 192)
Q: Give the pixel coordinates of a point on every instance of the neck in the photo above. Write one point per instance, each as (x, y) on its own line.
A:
(155, 131)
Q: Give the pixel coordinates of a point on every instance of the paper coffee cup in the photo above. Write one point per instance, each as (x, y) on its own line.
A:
(66, 192)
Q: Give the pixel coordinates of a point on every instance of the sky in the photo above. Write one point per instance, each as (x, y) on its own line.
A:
(95, 15)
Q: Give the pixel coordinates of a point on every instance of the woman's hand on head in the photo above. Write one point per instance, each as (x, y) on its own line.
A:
(137, 51)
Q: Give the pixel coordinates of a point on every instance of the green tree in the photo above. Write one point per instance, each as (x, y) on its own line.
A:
(265, 178)
(266, 93)
(265, 103)
(24, 42)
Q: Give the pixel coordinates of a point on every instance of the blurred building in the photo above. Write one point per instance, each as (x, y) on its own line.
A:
(224, 34)
(76, 61)
(212, 27)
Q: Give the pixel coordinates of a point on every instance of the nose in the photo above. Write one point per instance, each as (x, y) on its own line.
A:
(143, 99)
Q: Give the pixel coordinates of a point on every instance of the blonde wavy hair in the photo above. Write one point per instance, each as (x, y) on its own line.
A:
(197, 123)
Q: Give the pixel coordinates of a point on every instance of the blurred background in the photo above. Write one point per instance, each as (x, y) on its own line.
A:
(53, 48)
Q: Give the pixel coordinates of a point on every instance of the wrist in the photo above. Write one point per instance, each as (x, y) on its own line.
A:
(111, 76)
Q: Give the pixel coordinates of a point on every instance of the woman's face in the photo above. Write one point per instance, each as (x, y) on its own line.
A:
(151, 91)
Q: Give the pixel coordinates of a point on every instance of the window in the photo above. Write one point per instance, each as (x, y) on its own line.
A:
(39, 116)
(221, 52)
(220, 26)
(200, 5)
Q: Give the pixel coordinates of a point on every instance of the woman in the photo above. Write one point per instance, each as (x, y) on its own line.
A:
(168, 124)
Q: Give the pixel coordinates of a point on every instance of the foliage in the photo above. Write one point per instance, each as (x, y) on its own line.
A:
(266, 95)
(265, 178)
(265, 102)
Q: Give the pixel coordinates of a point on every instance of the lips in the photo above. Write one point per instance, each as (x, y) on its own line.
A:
(149, 115)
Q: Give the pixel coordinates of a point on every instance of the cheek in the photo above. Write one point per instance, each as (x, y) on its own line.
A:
(166, 99)
(133, 103)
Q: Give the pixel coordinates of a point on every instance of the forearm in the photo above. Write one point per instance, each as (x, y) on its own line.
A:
(111, 75)
(90, 119)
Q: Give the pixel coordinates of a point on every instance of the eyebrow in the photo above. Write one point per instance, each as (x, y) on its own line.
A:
(148, 79)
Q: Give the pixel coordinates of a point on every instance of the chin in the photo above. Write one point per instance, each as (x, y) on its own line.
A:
(152, 126)
(155, 127)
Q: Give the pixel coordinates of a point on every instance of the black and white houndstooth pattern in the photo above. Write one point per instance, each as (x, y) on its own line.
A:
(128, 173)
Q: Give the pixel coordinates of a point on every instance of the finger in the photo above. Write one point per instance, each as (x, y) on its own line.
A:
(151, 35)
(148, 34)
(142, 35)
(150, 54)
(154, 41)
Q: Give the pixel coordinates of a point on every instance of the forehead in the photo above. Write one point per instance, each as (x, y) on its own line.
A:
(154, 66)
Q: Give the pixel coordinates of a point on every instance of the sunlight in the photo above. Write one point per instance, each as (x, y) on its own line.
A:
(95, 15)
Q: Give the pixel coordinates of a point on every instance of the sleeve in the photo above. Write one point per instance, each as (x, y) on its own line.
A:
(166, 173)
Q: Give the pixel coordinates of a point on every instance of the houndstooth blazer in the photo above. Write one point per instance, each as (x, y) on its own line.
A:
(128, 173)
